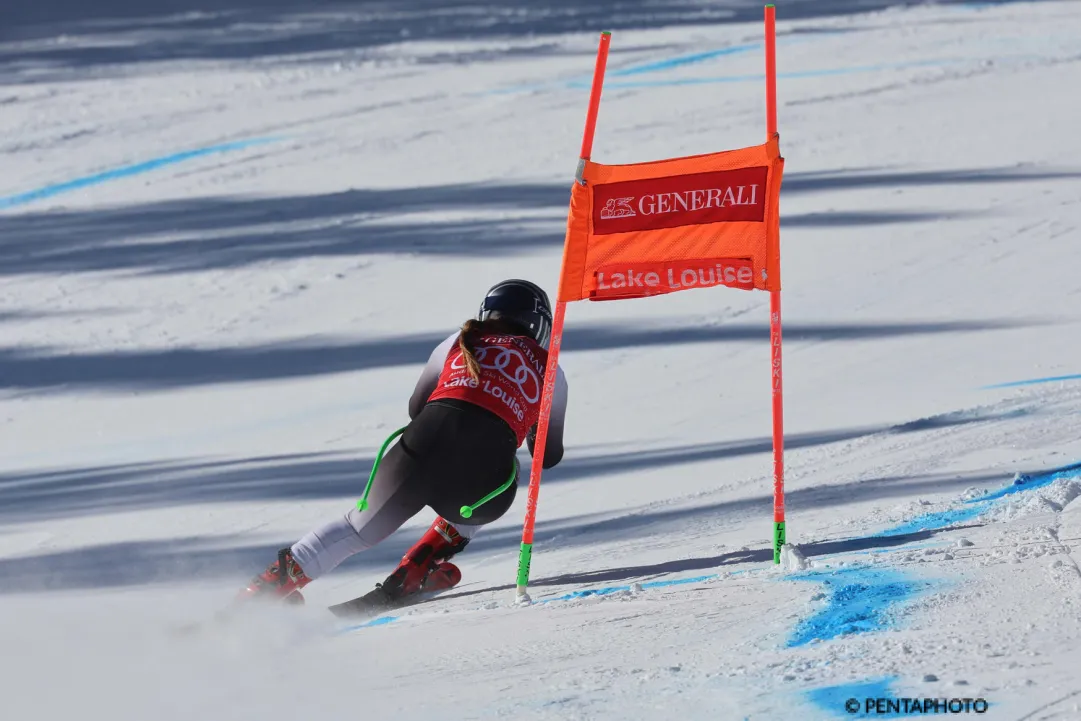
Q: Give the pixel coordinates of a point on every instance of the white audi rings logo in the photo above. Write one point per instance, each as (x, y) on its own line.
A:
(497, 358)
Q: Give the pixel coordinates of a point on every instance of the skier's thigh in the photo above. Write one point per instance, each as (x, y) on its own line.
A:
(397, 495)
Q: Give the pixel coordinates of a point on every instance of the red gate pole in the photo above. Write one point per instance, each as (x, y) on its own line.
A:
(775, 309)
(525, 555)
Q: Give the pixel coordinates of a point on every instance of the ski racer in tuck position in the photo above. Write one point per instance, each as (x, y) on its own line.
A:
(476, 402)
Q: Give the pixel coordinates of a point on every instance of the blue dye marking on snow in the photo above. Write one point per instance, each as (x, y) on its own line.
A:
(877, 700)
(759, 77)
(1034, 381)
(973, 508)
(384, 620)
(653, 66)
(381, 621)
(908, 547)
(1025, 482)
(832, 699)
(49, 191)
(586, 594)
(681, 60)
(860, 601)
(616, 589)
(935, 521)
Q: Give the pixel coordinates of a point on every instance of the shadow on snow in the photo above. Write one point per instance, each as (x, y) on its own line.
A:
(113, 33)
(44, 369)
(64, 493)
(188, 235)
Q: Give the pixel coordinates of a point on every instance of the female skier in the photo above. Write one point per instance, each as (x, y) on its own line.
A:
(477, 400)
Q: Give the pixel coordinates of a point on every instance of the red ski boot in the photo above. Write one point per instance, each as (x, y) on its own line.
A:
(272, 583)
(425, 567)
(443, 575)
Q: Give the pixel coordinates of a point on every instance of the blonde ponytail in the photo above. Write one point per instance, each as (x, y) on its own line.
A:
(466, 339)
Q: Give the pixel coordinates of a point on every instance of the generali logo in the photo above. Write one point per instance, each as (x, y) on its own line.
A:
(618, 208)
(670, 202)
(638, 280)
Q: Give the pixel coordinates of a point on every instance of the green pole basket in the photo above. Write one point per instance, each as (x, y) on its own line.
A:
(467, 511)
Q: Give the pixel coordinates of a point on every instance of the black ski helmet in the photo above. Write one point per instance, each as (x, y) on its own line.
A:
(522, 303)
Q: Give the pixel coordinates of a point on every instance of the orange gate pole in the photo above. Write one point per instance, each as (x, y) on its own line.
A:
(775, 309)
(525, 555)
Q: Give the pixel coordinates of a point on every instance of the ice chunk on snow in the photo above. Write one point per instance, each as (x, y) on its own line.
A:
(792, 559)
(1052, 498)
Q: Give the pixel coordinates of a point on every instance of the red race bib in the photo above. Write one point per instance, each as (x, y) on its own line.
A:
(510, 383)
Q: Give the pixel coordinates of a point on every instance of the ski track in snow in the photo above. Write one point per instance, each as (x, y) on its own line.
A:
(218, 265)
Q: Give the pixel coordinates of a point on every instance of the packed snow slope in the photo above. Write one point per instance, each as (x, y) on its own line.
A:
(230, 233)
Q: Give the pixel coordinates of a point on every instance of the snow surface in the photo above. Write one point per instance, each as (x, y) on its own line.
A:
(230, 233)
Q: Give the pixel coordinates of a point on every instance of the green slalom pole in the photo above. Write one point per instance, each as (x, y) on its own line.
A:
(778, 541)
(525, 557)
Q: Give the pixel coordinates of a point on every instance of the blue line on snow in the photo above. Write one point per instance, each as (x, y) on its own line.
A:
(381, 621)
(681, 60)
(1034, 381)
(860, 601)
(616, 589)
(935, 521)
(876, 700)
(653, 66)
(1025, 482)
(832, 699)
(911, 546)
(48, 191)
(976, 507)
(760, 77)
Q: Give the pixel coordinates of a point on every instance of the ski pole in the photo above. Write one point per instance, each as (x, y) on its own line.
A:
(362, 504)
(467, 511)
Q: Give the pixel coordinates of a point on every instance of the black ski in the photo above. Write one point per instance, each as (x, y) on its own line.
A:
(377, 601)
